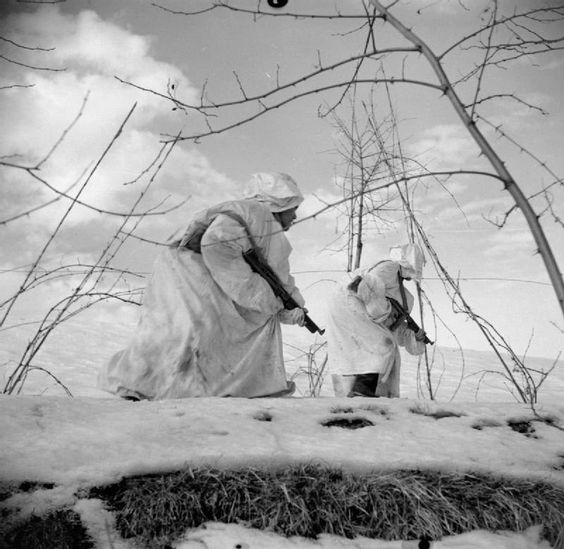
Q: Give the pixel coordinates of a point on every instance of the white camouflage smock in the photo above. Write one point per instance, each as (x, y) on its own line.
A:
(359, 341)
(209, 326)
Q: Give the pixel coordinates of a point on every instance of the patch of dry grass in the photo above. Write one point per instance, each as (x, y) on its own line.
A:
(309, 500)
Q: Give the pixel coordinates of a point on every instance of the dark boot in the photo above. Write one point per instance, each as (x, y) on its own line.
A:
(364, 385)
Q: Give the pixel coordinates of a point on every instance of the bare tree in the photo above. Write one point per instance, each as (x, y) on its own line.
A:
(361, 146)
(524, 382)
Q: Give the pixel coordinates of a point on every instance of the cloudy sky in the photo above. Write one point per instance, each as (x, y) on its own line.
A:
(72, 71)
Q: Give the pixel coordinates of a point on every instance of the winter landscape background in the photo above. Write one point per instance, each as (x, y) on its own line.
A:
(75, 351)
(78, 76)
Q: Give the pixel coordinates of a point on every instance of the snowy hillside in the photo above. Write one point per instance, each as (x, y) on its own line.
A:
(75, 351)
(61, 447)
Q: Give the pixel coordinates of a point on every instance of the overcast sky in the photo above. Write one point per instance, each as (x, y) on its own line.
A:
(92, 46)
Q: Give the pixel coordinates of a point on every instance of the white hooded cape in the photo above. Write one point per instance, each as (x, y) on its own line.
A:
(208, 324)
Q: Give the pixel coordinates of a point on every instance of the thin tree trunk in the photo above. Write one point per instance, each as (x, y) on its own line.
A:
(359, 239)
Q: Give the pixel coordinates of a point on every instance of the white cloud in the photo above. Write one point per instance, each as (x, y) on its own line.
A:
(318, 201)
(87, 45)
(445, 147)
(477, 214)
(93, 51)
(510, 243)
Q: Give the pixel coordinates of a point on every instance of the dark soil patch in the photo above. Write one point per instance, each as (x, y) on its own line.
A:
(524, 427)
(58, 530)
(9, 489)
(28, 486)
(263, 416)
(348, 422)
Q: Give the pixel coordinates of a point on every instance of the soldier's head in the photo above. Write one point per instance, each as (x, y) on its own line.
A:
(411, 260)
(279, 192)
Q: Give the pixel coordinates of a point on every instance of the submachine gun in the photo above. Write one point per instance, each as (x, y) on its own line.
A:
(263, 269)
(402, 315)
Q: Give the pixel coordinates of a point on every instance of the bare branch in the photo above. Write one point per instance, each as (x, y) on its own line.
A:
(511, 96)
(484, 64)
(33, 67)
(36, 208)
(55, 378)
(12, 86)
(23, 46)
(241, 88)
(64, 217)
(258, 12)
(295, 97)
(41, 1)
(203, 108)
(532, 15)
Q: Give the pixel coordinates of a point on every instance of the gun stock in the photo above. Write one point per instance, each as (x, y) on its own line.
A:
(261, 268)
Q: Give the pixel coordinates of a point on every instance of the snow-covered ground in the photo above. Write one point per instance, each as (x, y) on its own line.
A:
(95, 438)
(75, 351)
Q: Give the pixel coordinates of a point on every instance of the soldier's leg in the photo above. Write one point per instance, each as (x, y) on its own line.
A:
(364, 385)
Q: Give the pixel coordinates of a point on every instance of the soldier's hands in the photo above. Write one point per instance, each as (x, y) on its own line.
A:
(292, 316)
(420, 335)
